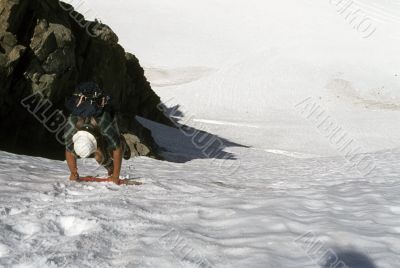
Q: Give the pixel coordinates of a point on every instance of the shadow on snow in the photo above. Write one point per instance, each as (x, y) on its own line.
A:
(185, 143)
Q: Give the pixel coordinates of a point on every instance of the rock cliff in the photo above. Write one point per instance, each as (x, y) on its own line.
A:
(46, 49)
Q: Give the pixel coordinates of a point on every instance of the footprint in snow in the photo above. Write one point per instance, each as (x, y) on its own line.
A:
(4, 211)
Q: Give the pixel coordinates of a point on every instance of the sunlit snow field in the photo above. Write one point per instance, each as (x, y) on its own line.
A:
(281, 193)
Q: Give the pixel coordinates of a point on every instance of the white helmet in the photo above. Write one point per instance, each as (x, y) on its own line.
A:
(85, 144)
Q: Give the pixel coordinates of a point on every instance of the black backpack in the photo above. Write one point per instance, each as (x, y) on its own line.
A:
(88, 100)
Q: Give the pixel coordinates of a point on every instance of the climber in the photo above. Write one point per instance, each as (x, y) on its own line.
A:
(91, 131)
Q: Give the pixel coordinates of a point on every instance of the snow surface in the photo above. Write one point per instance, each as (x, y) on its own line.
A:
(280, 193)
(255, 60)
(201, 212)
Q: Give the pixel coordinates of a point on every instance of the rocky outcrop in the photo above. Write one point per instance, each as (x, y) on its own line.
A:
(47, 48)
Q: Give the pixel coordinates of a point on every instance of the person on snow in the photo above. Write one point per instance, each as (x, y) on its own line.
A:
(92, 131)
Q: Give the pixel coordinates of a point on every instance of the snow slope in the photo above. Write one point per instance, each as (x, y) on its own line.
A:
(269, 213)
(251, 62)
(241, 71)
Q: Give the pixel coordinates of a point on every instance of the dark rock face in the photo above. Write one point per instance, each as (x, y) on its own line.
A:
(48, 48)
